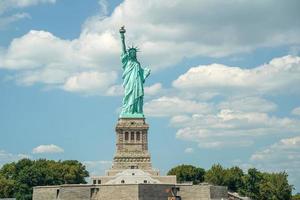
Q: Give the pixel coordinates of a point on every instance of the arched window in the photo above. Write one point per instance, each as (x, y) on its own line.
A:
(138, 136)
(122, 181)
(126, 136)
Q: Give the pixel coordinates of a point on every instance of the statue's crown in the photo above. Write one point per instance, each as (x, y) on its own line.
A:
(133, 48)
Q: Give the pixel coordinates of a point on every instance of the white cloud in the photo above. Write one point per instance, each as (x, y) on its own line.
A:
(189, 150)
(90, 82)
(289, 148)
(9, 4)
(228, 127)
(103, 7)
(153, 89)
(296, 111)
(281, 75)
(164, 37)
(5, 21)
(223, 143)
(169, 106)
(38, 49)
(248, 104)
(51, 148)
(115, 90)
(281, 156)
(6, 157)
(243, 112)
(188, 28)
(62, 63)
(46, 76)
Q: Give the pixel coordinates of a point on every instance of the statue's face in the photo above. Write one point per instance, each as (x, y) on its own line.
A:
(132, 54)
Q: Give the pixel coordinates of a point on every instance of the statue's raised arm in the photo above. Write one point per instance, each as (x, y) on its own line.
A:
(122, 33)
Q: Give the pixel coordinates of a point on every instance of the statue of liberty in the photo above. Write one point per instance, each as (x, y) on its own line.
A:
(133, 77)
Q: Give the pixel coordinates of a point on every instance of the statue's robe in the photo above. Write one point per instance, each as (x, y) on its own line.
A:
(133, 79)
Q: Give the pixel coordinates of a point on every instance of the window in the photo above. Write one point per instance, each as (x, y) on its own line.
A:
(132, 136)
(99, 181)
(94, 182)
(122, 181)
(126, 136)
(57, 193)
(145, 181)
(138, 136)
(93, 192)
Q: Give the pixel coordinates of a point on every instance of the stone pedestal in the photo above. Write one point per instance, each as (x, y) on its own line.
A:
(131, 147)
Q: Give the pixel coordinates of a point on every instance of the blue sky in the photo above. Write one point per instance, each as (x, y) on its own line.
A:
(224, 86)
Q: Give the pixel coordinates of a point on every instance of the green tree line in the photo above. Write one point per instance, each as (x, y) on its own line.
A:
(254, 184)
(18, 178)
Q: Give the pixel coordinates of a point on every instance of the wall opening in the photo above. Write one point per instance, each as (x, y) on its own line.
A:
(138, 136)
(93, 192)
(57, 193)
(132, 136)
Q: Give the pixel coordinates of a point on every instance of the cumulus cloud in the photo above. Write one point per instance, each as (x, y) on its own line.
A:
(153, 89)
(62, 63)
(230, 128)
(296, 111)
(90, 82)
(51, 148)
(163, 37)
(248, 104)
(279, 75)
(189, 28)
(241, 114)
(10, 4)
(6, 157)
(169, 106)
(280, 156)
(5, 21)
(288, 148)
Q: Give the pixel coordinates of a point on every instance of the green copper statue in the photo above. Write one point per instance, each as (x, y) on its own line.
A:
(133, 77)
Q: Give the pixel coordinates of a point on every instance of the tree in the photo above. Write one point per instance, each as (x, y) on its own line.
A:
(233, 178)
(188, 173)
(254, 184)
(215, 175)
(20, 177)
(296, 197)
(6, 187)
(266, 186)
(251, 183)
(275, 186)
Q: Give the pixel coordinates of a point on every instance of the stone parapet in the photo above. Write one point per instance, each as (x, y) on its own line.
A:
(130, 192)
